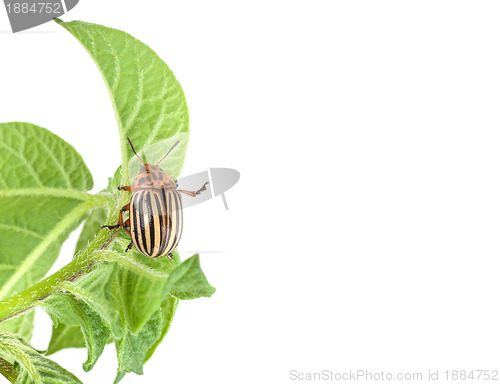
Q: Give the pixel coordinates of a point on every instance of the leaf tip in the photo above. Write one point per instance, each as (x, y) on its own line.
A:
(119, 375)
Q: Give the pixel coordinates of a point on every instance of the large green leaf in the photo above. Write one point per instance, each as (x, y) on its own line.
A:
(42, 200)
(149, 103)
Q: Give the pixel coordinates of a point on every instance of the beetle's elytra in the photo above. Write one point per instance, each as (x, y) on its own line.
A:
(155, 210)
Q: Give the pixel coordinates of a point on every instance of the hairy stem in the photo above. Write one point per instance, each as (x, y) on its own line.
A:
(8, 371)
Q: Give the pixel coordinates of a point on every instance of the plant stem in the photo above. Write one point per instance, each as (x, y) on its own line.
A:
(8, 371)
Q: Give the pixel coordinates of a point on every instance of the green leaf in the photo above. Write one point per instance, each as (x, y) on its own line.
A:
(138, 263)
(66, 331)
(34, 368)
(94, 330)
(97, 313)
(132, 349)
(141, 295)
(167, 312)
(95, 290)
(22, 325)
(187, 281)
(42, 199)
(149, 103)
(65, 336)
(59, 308)
(119, 376)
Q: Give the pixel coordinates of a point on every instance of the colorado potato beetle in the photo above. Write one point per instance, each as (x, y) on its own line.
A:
(155, 210)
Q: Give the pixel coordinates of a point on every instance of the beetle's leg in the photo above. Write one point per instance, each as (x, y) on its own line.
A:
(127, 188)
(193, 194)
(170, 256)
(120, 219)
(129, 247)
(126, 225)
(110, 227)
(124, 208)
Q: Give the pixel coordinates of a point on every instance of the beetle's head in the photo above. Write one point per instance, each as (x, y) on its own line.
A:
(151, 168)
(148, 168)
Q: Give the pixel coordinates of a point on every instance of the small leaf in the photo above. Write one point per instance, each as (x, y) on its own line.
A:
(66, 331)
(141, 295)
(187, 281)
(59, 308)
(94, 330)
(22, 325)
(65, 336)
(34, 368)
(95, 290)
(42, 200)
(49, 371)
(132, 349)
(119, 376)
(167, 312)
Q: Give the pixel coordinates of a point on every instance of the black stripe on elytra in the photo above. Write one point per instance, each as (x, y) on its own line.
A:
(135, 221)
(141, 220)
(151, 220)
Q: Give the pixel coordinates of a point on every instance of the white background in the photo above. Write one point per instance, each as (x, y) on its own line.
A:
(364, 232)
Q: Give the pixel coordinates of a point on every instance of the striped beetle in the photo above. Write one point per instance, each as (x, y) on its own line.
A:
(155, 210)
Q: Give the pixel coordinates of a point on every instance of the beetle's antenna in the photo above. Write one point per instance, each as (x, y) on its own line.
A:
(170, 150)
(135, 153)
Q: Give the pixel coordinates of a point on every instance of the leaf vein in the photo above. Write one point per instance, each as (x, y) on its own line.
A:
(116, 65)
(63, 172)
(140, 94)
(28, 165)
(17, 228)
